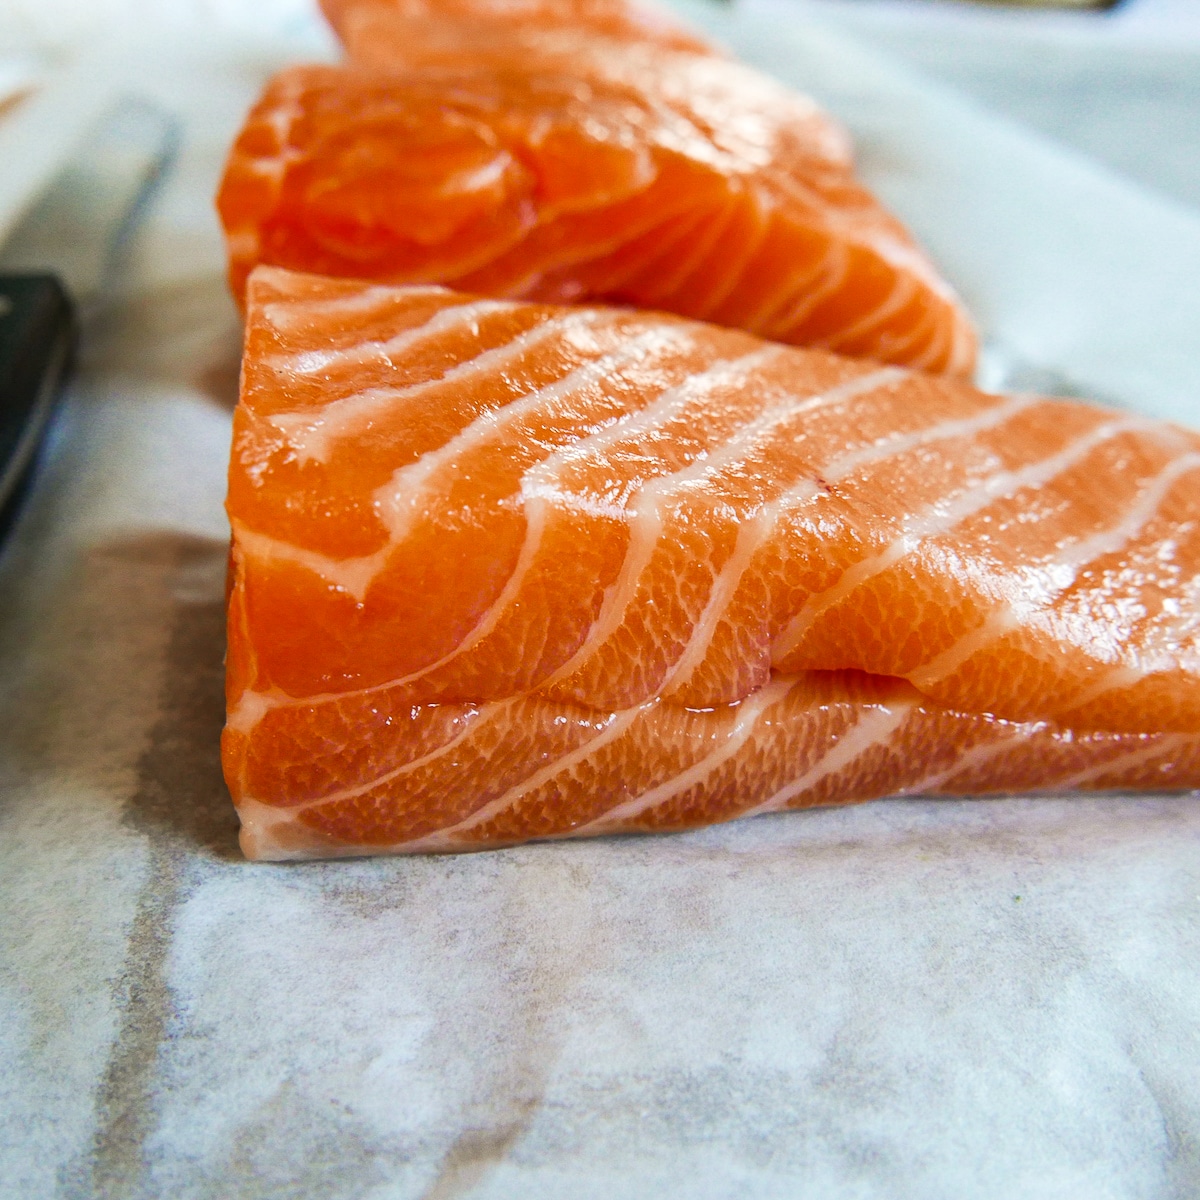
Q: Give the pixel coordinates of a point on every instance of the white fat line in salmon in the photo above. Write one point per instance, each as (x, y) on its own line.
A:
(907, 257)
(874, 727)
(272, 834)
(749, 714)
(1115, 679)
(314, 361)
(905, 261)
(942, 516)
(311, 433)
(903, 290)
(478, 179)
(1039, 586)
(747, 248)
(474, 719)
(350, 576)
(536, 509)
(760, 320)
(453, 835)
(754, 532)
(645, 512)
(775, 315)
(280, 120)
(947, 342)
(250, 707)
(1146, 751)
(835, 269)
(962, 356)
(573, 255)
(679, 236)
(949, 322)
(399, 502)
(296, 313)
(943, 330)
(690, 251)
(1006, 735)
(751, 535)
(270, 168)
(640, 423)
(893, 444)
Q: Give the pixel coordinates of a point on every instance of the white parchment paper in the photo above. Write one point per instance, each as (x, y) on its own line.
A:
(908, 999)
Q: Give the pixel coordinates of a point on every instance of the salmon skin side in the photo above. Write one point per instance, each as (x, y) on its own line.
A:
(504, 570)
(581, 171)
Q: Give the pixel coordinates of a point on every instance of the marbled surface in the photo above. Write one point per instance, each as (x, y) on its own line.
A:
(908, 999)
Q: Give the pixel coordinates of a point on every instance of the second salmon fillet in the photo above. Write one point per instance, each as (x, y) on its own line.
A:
(584, 171)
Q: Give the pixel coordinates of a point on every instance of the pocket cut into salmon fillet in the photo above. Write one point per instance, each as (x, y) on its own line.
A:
(505, 570)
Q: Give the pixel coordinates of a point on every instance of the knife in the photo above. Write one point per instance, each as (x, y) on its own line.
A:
(60, 259)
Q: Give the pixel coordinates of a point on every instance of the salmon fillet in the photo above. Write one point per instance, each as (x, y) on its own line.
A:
(632, 174)
(504, 570)
(389, 30)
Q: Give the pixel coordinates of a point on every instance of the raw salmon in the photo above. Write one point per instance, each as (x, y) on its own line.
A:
(400, 29)
(504, 570)
(637, 175)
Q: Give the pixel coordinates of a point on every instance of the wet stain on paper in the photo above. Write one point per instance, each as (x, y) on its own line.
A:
(296, 1149)
(181, 798)
(547, 962)
(181, 806)
(475, 1152)
(123, 1098)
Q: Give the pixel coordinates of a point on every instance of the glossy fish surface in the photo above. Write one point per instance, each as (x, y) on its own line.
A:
(505, 570)
(387, 30)
(588, 171)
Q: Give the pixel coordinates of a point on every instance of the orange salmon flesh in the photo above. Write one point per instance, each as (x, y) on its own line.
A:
(399, 30)
(587, 170)
(505, 570)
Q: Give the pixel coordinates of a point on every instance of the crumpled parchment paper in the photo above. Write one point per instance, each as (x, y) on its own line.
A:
(908, 999)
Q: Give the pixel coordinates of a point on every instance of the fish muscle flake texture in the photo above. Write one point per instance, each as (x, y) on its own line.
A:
(505, 570)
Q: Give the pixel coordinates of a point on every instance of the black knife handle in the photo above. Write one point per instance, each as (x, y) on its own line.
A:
(37, 342)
